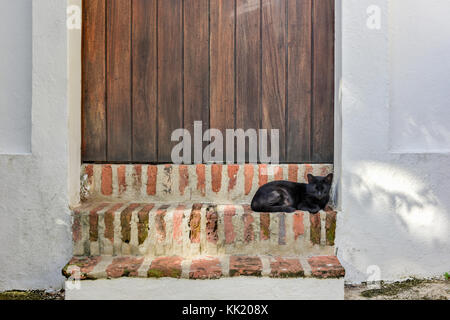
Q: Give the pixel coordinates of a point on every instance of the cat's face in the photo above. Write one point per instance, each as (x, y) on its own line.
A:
(319, 187)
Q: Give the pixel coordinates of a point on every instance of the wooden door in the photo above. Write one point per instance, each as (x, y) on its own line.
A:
(153, 66)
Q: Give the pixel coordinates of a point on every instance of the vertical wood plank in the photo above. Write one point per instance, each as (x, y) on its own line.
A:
(144, 81)
(323, 91)
(119, 80)
(170, 80)
(196, 64)
(248, 65)
(274, 69)
(93, 81)
(299, 81)
(222, 51)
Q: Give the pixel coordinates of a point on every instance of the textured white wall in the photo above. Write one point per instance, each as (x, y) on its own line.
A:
(74, 97)
(396, 208)
(35, 238)
(420, 100)
(15, 77)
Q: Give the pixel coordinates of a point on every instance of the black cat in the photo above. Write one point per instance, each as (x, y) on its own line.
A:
(285, 196)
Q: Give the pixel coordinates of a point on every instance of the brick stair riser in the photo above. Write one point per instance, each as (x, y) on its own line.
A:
(165, 230)
(224, 184)
(203, 267)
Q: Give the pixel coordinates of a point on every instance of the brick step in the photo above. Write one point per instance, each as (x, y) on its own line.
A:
(187, 230)
(216, 183)
(203, 267)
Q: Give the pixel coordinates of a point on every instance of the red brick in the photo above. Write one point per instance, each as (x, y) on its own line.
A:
(184, 178)
(89, 170)
(178, 224)
(76, 228)
(201, 178)
(232, 175)
(299, 226)
(85, 265)
(93, 227)
(109, 221)
(204, 269)
(315, 228)
(216, 177)
(286, 268)
(107, 180)
(263, 175)
(324, 171)
(194, 223)
(265, 226)
(143, 223)
(249, 235)
(245, 266)
(293, 173)
(93, 222)
(248, 173)
(152, 174)
(326, 267)
(137, 177)
(165, 267)
(230, 235)
(121, 172)
(308, 170)
(125, 222)
(212, 219)
(279, 174)
(124, 267)
(160, 223)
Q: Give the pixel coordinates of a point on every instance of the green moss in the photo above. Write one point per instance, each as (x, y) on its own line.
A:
(126, 273)
(64, 272)
(80, 264)
(125, 220)
(331, 234)
(266, 232)
(392, 289)
(175, 273)
(447, 276)
(29, 295)
(315, 235)
(143, 231)
(234, 273)
(431, 298)
(155, 273)
(298, 274)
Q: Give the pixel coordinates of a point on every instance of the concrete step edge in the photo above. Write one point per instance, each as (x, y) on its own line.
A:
(203, 267)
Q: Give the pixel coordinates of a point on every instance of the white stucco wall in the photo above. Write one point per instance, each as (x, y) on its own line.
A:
(395, 184)
(15, 77)
(35, 238)
(420, 64)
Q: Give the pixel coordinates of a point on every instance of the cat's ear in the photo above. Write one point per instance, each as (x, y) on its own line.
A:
(311, 179)
(329, 178)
